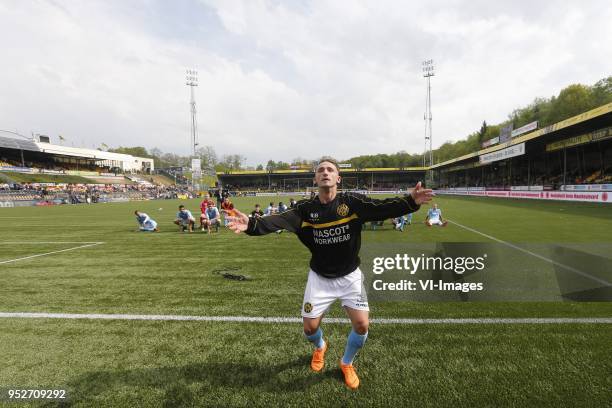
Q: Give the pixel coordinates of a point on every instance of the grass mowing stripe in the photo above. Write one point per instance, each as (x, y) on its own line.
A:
(51, 253)
(257, 319)
(518, 248)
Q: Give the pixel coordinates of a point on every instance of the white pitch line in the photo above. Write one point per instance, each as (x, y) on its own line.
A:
(257, 319)
(54, 216)
(518, 248)
(50, 242)
(61, 225)
(50, 253)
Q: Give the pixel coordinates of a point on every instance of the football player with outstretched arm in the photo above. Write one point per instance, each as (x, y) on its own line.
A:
(329, 225)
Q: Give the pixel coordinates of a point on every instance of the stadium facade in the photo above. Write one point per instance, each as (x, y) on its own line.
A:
(33, 156)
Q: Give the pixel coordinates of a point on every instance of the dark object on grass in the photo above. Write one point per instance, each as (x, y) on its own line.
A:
(227, 273)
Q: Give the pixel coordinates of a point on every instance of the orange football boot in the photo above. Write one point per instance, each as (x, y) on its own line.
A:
(350, 376)
(318, 358)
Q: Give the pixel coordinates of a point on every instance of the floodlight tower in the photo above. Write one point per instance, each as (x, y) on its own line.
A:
(192, 81)
(428, 72)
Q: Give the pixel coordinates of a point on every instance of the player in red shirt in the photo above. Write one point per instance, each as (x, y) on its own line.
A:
(227, 209)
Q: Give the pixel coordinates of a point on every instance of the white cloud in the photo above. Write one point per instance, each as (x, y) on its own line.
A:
(278, 80)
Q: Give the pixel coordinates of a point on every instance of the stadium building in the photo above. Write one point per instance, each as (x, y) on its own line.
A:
(300, 180)
(35, 172)
(41, 156)
(569, 160)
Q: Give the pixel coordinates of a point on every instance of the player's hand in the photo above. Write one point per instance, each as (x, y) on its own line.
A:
(421, 195)
(238, 223)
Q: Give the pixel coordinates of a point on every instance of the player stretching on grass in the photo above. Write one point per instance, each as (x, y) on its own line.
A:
(434, 217)
(145, 223)
(329, 225)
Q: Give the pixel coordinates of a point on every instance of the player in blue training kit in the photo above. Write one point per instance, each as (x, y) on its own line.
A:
(212, 218)
(434, 217)
(184, 219)
(146, 223)
(401, 221)
(329, 225)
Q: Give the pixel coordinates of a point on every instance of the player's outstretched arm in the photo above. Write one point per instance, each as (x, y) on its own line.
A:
(421, 195)
(289, 220)
(239, 223)
(370, 209)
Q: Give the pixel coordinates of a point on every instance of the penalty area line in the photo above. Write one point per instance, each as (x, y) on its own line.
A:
(257, 319)
(51, 253)
(543, 258)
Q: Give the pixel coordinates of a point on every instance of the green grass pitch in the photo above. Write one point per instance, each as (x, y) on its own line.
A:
(174, 363)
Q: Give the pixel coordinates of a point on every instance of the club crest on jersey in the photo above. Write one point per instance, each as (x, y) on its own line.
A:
(307, 307)
(314, 216)
(342, 210)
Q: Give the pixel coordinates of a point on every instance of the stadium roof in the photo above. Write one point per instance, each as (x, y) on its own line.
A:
(68, 151)
(574, 120)
(87, 153)
(125, 161)
(18, 144)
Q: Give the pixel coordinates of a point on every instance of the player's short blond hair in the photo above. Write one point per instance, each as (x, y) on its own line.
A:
(329, 160)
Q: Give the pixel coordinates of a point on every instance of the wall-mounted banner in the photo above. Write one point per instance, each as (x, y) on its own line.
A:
(587, 187)
(512, 151)
(17, 169)
(587, 197)
(490, 142)
(527, 188)
(569, 142)
(602, 134)
(17, 203)
(598, 135)
(505, 133)
(524, 129)
(196, 168)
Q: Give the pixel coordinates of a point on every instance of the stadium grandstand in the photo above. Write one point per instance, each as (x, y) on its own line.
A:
(43, 157)
(371, 179)
(39, 173)
(529, 162)
(574, 155)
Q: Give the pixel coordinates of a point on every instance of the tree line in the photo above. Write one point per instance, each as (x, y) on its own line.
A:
(207, 154)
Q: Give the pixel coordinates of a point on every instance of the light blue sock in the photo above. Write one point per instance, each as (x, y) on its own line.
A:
(353, 344)
(316, 338)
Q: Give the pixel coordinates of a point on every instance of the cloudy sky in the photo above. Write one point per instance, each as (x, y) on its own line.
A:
(285, 79)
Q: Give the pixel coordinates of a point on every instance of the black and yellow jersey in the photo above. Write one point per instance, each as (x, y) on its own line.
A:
(332, 231)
